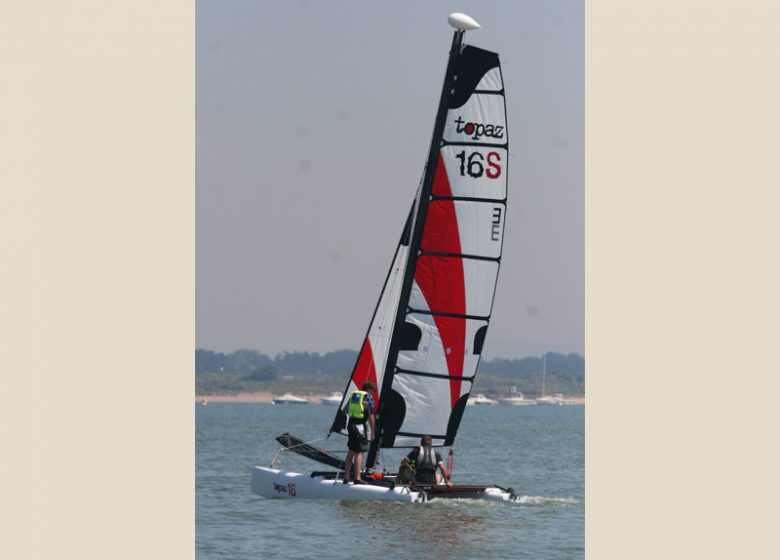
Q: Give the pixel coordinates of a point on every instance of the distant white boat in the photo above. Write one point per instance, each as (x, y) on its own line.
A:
(517, 399)
(545, 399)
(289, 398)
(480, 399)
(334, 398)
(557, 399)
(563, 401)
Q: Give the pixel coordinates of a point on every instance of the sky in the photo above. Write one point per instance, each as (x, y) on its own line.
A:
(313, 121)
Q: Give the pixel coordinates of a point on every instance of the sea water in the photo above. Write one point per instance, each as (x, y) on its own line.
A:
(536, 450)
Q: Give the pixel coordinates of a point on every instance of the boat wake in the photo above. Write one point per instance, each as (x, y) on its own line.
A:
(545, 501)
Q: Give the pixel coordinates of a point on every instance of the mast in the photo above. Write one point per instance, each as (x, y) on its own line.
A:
(461, 23)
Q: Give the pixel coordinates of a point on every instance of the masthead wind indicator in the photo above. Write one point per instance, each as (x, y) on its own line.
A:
(462, 22)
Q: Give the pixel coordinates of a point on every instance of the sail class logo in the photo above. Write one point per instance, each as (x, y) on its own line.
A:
(288, 489)
(478, 130)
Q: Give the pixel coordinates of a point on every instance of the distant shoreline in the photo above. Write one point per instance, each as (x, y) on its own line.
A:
(266, 397)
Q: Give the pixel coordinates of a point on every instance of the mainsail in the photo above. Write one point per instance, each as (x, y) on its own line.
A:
(424, 342)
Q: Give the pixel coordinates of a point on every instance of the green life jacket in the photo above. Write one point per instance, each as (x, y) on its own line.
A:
(355, 409)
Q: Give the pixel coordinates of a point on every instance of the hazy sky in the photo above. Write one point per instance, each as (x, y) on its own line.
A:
(313, 125)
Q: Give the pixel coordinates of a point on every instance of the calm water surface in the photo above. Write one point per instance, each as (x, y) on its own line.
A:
(537, 450)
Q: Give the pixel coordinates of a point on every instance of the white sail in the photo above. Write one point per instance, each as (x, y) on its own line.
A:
(454, 272)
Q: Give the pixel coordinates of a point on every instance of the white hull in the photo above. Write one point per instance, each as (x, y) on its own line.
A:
(334, 398)
(480, 399)
(289, 399)
(273, 483)
(517, 401)
(559, 401)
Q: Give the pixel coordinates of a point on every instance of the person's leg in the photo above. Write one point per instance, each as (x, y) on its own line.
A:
(358, 465)
(348, 464)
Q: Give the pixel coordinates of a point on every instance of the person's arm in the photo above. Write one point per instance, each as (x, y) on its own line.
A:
(445, 474)
(408, 459)
(371, 423)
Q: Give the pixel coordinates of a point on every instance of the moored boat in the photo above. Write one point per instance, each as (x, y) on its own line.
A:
(517, 399)
(480, 399)
(289, 398)
(333, 398)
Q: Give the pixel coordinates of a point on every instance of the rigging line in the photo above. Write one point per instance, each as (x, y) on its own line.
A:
(278, 452)
(304, 443)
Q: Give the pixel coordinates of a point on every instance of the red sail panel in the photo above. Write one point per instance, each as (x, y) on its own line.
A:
(441, 224)
(441, 278)
(365, 370)
(441, 183)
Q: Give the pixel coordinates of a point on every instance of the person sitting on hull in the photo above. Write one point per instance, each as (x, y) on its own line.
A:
(422, 462)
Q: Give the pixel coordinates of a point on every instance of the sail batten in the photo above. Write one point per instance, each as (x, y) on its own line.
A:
(445, 314)
(438, 375)
(460, 256)
(478, 144)
(468, 199)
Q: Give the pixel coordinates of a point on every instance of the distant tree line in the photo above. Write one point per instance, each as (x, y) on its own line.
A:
(251, 361)
(564, 370)
(556, 363)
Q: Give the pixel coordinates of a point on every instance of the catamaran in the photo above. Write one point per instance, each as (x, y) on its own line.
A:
(426, 336)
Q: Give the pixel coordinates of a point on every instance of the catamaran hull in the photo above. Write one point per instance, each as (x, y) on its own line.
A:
(274, 483)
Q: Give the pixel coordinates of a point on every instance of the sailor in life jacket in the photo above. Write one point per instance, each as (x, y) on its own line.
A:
(422, 462)
(360, 413)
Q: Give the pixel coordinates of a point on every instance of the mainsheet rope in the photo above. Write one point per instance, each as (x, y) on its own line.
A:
(282, 448)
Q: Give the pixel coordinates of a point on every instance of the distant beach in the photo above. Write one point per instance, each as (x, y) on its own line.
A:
(263, 397)
(266, 397)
